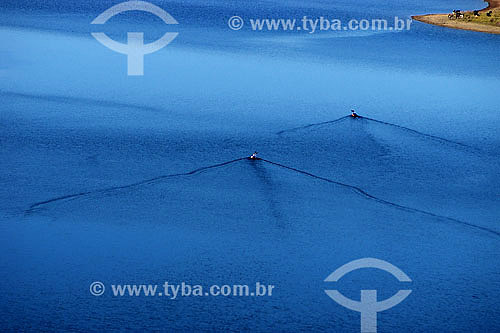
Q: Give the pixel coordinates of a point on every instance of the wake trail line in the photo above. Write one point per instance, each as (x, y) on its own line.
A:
(420, 133)
(36, 205)
(356, 189)
(383, 123)
(312, 125)
(367, 195)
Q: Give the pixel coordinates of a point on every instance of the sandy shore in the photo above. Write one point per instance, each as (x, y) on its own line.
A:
(443, 20)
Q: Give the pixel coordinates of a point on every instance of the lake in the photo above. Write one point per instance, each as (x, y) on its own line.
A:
(145, 179)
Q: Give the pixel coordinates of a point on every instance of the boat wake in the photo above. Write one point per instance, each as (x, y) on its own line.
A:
(420, 133)
(38, 205)
(368, 196)
(312, 125)
(362, 118)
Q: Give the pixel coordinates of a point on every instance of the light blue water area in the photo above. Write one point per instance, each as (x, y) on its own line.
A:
(142, 180)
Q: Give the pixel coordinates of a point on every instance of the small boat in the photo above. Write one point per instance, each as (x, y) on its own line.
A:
(254, 156)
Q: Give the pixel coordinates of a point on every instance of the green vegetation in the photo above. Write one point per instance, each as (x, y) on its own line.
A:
(483, 18)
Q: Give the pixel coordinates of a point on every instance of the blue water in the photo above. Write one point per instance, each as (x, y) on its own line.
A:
(97, 183)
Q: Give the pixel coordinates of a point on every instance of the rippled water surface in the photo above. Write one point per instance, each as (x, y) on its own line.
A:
(142, 180)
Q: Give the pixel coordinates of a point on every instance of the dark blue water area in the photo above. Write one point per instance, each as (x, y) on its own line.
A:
(243, 222)
(204, 229)
(142, 180)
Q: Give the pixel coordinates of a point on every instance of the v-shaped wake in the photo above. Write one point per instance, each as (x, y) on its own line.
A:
(353, 188)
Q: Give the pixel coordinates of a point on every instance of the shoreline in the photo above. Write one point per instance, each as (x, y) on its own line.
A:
(442, 20)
